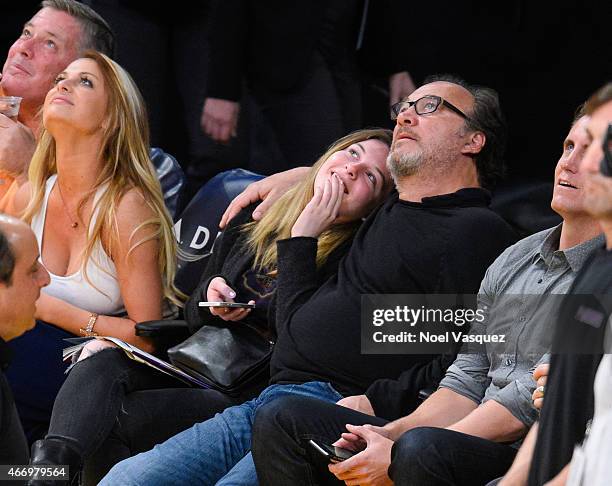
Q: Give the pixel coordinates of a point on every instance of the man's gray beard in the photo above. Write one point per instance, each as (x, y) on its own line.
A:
(403, 165)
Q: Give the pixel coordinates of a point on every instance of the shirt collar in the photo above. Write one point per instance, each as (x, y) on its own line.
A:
(575, 256)
(467, 197)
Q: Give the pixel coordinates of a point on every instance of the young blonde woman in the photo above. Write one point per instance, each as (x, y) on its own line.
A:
(131, 408)
(96, 207)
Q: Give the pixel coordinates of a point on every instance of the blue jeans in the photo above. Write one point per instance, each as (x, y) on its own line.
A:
(217, 451)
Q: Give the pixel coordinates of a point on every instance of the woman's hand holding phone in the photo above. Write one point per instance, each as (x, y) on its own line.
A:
(219, 291)
(322, 210)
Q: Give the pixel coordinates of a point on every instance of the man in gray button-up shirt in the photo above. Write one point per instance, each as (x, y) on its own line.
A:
(516, 289)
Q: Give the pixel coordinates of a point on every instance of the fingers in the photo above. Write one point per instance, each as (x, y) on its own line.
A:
(6, 122)
(354, 439)
(228, 314)
(264, 189)
(223, 132)
(327, 192)
(345, 444)
(330, 197)
(219, 291)
(226, 292)
(232, 314)
(242, 200)
(361, 431)
(337, 200)
(344, 470)
(219, 119)
(541, 370)
(335, 184)
(350, 437)
(538, 397)
(351, 442)
(211, 125)
(238, 314)
(217, 130)
(538, 393)
(263, 207)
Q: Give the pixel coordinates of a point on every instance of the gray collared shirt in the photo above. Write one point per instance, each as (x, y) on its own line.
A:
(517, 297)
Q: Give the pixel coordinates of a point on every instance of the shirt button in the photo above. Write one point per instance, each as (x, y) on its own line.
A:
(540, 280)
(523, 319)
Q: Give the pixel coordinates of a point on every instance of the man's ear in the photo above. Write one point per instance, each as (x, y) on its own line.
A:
(474, 143)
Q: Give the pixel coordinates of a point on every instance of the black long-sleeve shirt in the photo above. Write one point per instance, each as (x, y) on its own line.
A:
(443, 244)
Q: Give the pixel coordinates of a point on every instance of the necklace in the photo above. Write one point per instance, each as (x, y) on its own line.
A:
(75, 222)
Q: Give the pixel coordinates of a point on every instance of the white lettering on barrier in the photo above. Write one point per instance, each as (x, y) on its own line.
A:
(201, 230)
(177, 231)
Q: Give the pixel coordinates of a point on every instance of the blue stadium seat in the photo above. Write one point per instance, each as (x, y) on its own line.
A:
(198, 226)
(170, 175)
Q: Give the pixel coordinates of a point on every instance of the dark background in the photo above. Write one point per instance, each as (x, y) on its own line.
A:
(544, 58)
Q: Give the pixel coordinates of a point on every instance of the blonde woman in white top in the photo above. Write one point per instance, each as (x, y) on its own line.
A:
(96, 205)
(105, 204)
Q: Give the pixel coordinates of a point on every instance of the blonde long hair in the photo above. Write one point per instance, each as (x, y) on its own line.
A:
(125, 150)
(277, 222)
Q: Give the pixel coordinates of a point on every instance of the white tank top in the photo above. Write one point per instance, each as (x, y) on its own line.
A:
(104, 296)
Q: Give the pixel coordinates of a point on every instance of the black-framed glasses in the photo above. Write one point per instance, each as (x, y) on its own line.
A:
(423, 106)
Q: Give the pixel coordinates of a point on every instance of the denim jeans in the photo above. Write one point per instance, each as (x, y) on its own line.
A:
(216, 451)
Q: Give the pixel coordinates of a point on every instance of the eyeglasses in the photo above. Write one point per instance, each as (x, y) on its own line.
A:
(423, 106)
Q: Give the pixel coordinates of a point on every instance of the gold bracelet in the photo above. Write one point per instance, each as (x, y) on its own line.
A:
(88, 330)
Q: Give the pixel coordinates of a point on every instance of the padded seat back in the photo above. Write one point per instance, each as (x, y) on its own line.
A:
(525, 206)
(198, 226)
(170, 175)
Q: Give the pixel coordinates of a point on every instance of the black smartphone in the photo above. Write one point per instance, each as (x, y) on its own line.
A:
(332, 453)
(232, 305)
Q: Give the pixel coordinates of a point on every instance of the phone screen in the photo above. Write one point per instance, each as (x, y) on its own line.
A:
(237, 305)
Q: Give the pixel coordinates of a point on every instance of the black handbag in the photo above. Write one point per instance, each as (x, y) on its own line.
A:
(230, 359)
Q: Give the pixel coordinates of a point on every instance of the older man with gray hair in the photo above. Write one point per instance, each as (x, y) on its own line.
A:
(49, 41)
